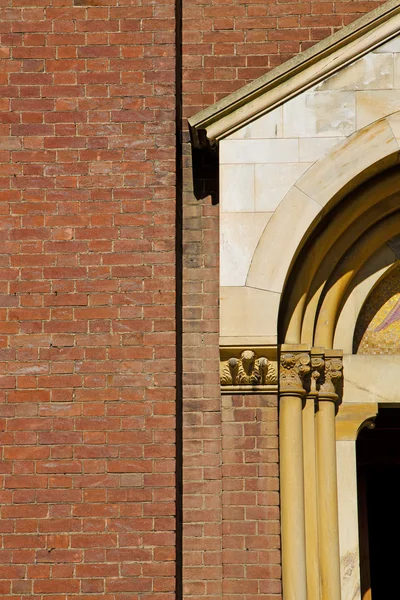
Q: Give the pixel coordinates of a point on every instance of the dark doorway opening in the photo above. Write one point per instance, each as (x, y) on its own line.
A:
(378, 471)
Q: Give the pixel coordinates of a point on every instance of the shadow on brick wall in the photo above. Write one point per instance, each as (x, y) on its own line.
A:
(205, 174)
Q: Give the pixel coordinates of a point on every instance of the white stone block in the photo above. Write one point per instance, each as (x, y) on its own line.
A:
(320, 114)
(374, 105)
(267, 126)
(273, 181)
(311, 149)
(249, 313)
(371, 72)
(363, 380)
(280, 240)
(396, 71)
(258, 151)
(328, 177)
(240, 233)
(237, 188)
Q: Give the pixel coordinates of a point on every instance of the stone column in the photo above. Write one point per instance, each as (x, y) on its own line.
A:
(328, 526)
(294, 368)
(310, 478)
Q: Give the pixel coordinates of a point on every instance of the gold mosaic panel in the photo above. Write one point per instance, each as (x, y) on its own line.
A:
(378, 326)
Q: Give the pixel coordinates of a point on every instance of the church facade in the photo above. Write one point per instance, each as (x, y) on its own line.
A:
(309, 302)
(200, 299)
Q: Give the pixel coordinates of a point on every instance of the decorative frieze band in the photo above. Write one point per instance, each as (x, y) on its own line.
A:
(248, 370)
(302, 370)
(312, 371)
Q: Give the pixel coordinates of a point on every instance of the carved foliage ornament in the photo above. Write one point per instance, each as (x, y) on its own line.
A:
(295, 368)
(317, 366)
(333, 375)
(248, 370)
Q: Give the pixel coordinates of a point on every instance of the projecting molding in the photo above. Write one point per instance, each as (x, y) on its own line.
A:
(296, 75)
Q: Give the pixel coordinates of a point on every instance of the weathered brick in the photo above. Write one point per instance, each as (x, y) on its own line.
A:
(87, 304)
(64, 177)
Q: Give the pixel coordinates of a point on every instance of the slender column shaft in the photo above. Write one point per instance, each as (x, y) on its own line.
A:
(328, 526)
(292, 497)
(310, 500)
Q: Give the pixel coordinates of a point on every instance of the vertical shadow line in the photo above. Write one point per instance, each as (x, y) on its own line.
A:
(179, 298)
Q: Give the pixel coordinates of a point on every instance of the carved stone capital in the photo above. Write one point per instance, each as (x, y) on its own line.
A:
(248, 369)
(294, 371)
(317, 370)
(333, 374)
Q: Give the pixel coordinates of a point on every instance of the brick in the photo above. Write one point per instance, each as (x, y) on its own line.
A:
(87, 282)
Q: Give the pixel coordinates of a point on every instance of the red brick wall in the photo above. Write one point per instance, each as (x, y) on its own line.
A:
(231, 532)
(228, 43)
(87, 302)
(87, 287)
(251, 528)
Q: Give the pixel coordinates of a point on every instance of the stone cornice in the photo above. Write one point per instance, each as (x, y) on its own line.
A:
(296, 75)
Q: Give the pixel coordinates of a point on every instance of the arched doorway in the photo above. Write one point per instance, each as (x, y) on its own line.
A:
(378, 476)
(309, 178)
(352, 250)
(378, 447)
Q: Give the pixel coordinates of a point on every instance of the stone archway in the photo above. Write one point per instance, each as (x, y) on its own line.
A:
(309, 206)
(315, 293)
